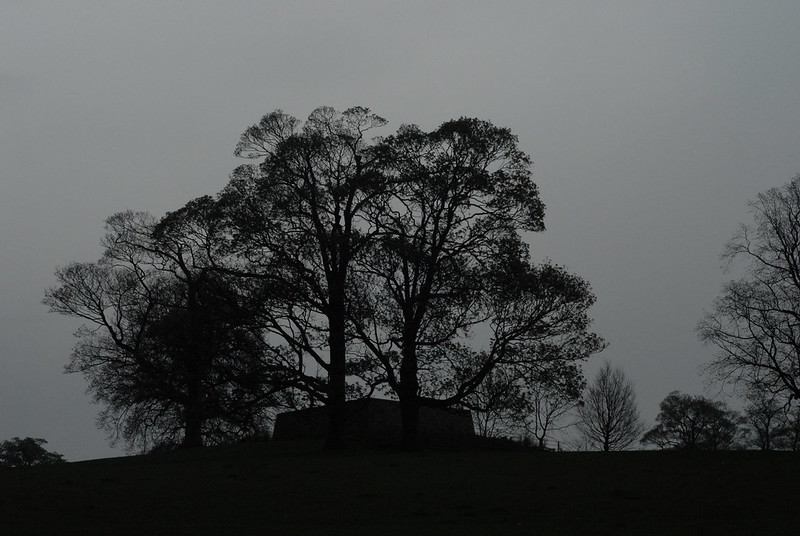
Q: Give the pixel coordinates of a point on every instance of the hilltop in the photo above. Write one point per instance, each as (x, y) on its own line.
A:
(270, 488)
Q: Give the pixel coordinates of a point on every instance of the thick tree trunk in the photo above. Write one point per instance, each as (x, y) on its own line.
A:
(193, 416)
(337, 377)
(194, 359)
(409, 400)
(193, 435)
(409, 408)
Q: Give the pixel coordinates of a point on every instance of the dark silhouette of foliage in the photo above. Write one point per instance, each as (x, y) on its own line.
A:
(765, 417)
(498, 405)
(386, 254)
(549, 401)
(754, 322)
(27, 452)
(448, 259)
(771, 422)
(170, 346)
(790, 437)
(694, 423)
(608, 416)
(331, 268)
(529, 408)
(298, 219)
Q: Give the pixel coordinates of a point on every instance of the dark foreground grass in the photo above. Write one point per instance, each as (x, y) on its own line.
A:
(278, 489)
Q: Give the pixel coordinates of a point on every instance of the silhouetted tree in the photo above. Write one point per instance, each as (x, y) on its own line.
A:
(383, 250)
(694, 423)
(526, 407)
(608, 416)
(754, 323)
(550, 400)
(170, 346)
(767, 420)
(448, 258)
(298, 219)
(498, 405)
(791, 438)
(27, 452)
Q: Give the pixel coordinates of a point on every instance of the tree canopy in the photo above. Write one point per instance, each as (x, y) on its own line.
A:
(334, 266)
(448, 261)
(608, 416)
(754, 323)
(694, 423)
(299, 221)
(27, 452)
(170, 346)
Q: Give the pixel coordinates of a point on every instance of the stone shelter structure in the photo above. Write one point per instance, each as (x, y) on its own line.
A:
(376, 422)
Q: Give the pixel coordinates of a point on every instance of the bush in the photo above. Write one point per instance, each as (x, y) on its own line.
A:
(26, 453)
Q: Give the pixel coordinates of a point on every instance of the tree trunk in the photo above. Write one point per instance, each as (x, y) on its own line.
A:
(193, 435)
(409, 401)
(193, 416)
(337, 377)
(409, 409)
(195, 360)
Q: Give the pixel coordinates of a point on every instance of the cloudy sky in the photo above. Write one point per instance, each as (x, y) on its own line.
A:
(651, 124)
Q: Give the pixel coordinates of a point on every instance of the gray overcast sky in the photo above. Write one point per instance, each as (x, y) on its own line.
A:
(651, 125)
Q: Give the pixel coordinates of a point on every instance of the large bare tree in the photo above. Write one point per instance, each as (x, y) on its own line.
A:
(755, 322)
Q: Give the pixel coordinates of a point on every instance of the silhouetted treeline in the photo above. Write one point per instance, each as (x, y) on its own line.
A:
(333, 266)
(27, 452)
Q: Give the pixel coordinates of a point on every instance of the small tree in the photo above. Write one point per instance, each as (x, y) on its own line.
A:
(497, 405)
(530, 407)
(694, 423)
(27, 452)
(608, 417)
(791, 439)
(549, 403)
(767, 420)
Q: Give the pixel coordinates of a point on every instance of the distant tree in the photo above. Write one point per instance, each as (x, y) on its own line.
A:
(550, 401)
(767, 420)
(694, 423)
(754, 322)
(27, 452)
(772, 422)
(170, 346)
(498, 405)
(791, 438)
(527, 408)
(608, 416)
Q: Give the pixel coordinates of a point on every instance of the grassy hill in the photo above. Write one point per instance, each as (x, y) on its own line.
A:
(297, 489)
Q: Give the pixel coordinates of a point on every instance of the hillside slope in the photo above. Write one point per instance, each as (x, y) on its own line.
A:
(283, 489)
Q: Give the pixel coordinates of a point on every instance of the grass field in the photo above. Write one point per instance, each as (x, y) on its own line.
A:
(297, 489)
